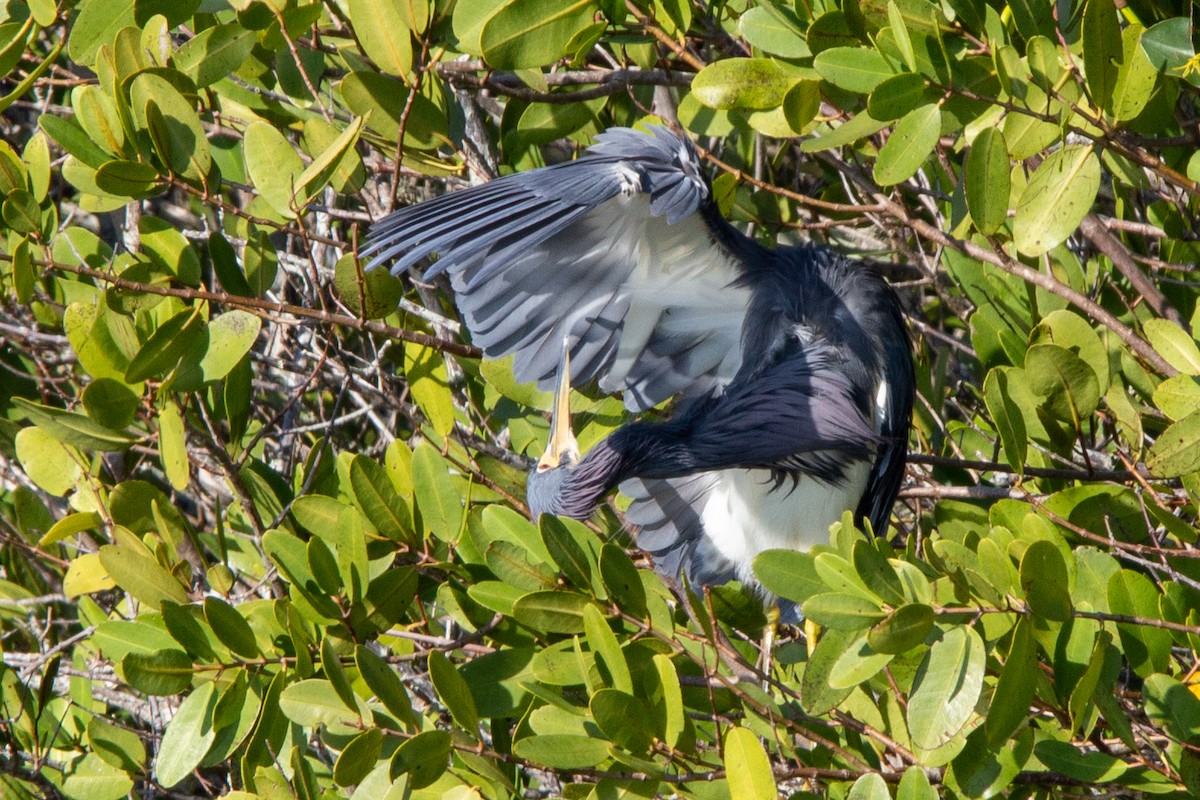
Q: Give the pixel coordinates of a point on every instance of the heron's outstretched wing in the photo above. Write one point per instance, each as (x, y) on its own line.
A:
(621, 252)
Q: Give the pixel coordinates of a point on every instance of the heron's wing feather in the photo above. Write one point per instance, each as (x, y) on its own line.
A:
(613, 252)
(799, 415)
(895, 420)
(667, 512)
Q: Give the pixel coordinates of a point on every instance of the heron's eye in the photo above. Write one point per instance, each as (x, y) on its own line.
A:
(543, 467)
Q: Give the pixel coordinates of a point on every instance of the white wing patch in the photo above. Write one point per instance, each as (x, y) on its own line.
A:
(681, 287)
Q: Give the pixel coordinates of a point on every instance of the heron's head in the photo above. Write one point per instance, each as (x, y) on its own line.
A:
(544, 490)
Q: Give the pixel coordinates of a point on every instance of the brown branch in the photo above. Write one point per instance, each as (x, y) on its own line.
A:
(1098, 234)
(265, 308)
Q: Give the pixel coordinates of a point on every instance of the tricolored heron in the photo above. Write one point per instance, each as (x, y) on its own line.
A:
(792, 365)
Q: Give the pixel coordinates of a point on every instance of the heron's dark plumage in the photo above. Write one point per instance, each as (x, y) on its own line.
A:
(794, 364)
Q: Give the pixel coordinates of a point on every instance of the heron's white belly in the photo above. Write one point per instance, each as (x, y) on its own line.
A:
(743, 516)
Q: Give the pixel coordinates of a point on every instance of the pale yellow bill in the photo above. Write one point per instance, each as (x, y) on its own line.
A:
(562, 446)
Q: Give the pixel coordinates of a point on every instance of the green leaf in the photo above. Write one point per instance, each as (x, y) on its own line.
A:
(902, 630)
(909, 146)
(326, 164)
(96, 25)
(1176, 452)
(273, 167)
(135, 179)
(774, 29)
(946, 687)
(225, 266)
(371, 294)
(1168, 44)
(439, 503)
(1056, 199)
(841, 611)
(562, 750)
(230, 337)
(674, 721)
(900, 35)
(622, 718)
(214, 53)
(1068, 385)
(165, 347)
(453, 691)
(1135, 79)
(870, 786)
(1174, 344)
(172, 445)
(1147, 649)
(532, 33)
(497, 681)
(914, 785)
(381, 678)
(898, 95)
(747, 768)
(54, 466)
(163, 672)
(422, 758)
(141, 576)
(314, 702)
(742, 83)
(987, 180)
(859, 662)
(69, 525)
(386, 101)
(568, 554)
(551, 611)
(379, 501)
(117, 745)
(1007, 417)
(877, 572)
(1178, 396)
(1173, 707)
(855, 69)
(515, 566)
(789, 574)
(188, 736)
(621, 580)
(72, 138)
(86, 575)
(1044, 581)
(1080, 702)
(358, 757)
(231, 627)
(93, 778)
(430, 386)
(816, 692)
(383, 34)
(414, 14)
(21, 212)
(1091, 768)
(1014, 692)
(603, 642)
(174, 126)
(1101, 49)
(335, 673)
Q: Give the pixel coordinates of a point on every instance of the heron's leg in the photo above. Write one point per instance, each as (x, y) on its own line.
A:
(768, 640)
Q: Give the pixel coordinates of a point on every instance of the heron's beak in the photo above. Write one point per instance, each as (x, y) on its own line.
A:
(562, 447)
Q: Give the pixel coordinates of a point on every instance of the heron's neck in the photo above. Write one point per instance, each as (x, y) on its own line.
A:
(645, 450)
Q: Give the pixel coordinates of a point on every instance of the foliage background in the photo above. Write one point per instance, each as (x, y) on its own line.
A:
(263, 533)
